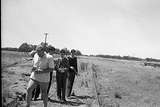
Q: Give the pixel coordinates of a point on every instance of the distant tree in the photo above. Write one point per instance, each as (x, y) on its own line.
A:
(120, 57)
(10, 49)
(151, 59)
(78, 52)
(25, 48)
(34, 47)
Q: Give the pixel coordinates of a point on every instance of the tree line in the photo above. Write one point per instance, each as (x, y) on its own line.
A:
(25, 47)
(127, 58)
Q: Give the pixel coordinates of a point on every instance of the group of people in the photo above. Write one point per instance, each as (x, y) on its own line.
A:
(42, 72)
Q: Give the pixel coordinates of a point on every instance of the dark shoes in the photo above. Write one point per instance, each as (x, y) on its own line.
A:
(69, 97)
(35, 99)
(59, 99)
(73, 94)
(49, 99)
(63, 101)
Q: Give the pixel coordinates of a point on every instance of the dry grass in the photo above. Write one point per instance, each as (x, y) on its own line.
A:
(116, 83)
(11, 57)
(121, 83)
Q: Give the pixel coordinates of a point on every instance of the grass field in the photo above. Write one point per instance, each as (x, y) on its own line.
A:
(121, 83)
(11, 57)
(102, 82)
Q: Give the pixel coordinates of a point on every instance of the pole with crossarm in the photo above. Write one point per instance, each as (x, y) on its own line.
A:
(45, 43)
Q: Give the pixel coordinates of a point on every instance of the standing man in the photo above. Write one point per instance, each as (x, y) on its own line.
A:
(36, 91)
(50, 50)
(72, 72)
(62, 69)
(43, 64)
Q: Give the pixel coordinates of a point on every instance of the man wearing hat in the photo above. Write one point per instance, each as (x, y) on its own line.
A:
(62, 69)
(43, 64)
(72, 72)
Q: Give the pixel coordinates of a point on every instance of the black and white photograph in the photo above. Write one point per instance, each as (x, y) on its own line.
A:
(80, 53)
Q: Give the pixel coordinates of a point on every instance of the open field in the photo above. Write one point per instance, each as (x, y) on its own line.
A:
(10, 58)
(102, 82)
(123, 83)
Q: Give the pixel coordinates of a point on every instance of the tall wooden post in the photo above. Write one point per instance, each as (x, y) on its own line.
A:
(45, 43)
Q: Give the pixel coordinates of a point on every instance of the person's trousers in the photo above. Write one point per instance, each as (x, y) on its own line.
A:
(50, 81)
(32, 85)
(61, 84)
(36, 92)
(69, 84)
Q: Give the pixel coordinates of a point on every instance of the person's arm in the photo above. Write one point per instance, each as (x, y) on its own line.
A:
(74, 65)
(40, 71)
(32, 53)
(57, 64)
(67, 64)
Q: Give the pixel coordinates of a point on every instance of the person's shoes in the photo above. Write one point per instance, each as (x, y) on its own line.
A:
(35, 99)
(69, 97)
(49, 99)
(73, 94)
(59, 99)
(26, 105)
(63, 101)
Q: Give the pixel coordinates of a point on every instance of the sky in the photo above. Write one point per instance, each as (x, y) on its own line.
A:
(111, 27)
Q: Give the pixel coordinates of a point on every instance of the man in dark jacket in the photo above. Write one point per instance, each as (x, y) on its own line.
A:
(62, 69)
(72, 72)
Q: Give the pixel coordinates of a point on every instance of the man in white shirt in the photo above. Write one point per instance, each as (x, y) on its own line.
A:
(36, 91)
(43, 64)
(50, 51)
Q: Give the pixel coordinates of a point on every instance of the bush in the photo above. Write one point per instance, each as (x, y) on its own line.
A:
(78, 52)
(26, 48)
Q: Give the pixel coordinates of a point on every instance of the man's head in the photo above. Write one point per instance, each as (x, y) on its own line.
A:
(73, 52)
(50, 49)
(63, 52)
(40, 50)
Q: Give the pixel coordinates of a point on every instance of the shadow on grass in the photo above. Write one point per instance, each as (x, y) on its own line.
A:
(72, 103)
(84, 97)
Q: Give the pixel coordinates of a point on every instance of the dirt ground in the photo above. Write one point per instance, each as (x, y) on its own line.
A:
(102, 83)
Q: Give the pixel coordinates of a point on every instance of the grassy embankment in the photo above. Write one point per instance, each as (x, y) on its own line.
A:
(102, 81)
